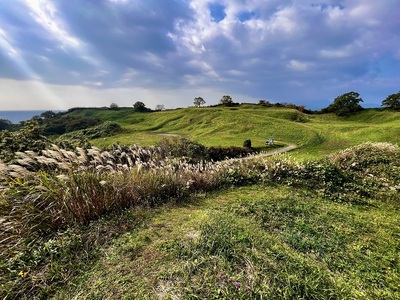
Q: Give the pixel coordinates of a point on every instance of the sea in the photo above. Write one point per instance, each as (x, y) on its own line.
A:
(16, 116)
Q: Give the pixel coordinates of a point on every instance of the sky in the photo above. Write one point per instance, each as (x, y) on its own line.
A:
(56, 55)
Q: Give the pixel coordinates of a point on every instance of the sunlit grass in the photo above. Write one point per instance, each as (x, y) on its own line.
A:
(251, 243)
(225, 126)
(217, 126)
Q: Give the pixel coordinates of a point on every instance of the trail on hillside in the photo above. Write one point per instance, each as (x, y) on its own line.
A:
(288, 148)
(278, 151)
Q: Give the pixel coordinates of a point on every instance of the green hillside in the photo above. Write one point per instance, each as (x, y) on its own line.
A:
(130, 223)
(316, 135)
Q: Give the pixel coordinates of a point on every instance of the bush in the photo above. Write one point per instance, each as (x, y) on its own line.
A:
(66, 124)
(298, 116)
(7, 125)
(363, 157)
(247, 144)
(104, 129)
(183, 147)
(221, 153)
(29, 137)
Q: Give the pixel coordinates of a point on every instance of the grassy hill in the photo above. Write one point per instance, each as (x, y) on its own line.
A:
(317, 135)
(129, 224)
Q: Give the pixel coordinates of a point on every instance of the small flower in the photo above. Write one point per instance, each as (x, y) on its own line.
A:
(229, 279)
(248, 288)
(237, 284)
(222, 276)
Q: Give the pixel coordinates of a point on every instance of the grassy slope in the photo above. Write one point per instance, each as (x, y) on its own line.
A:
(276, 242)
(211, 126)
(281, 242)
(370, 125)
(226, 126)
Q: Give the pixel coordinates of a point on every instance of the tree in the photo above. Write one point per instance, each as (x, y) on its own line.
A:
(198, 101)
(345, 104)
(392, 101)
(226, 100)
(5, 124)
(48, 114)
(159, 107)
(113, 105)
(140, 106)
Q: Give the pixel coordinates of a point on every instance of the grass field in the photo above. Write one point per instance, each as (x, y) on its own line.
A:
(230, 126)
(252, 242)
(302, 225)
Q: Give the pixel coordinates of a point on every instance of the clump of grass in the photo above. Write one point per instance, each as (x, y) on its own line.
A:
(365, 156)
(239, 260)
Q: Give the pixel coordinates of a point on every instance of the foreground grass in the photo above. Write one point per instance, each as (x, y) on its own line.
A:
(323, 229)
(252, 242)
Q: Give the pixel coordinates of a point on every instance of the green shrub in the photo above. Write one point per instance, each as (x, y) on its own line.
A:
(8, 125)
(29, 137)
(221, 153)
(104, 129)
(65, 124)
(183, 147)
(365, 156)
(247, 144)
(298, 116)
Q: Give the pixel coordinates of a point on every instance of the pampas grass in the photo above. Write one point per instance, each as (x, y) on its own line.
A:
(42, 193)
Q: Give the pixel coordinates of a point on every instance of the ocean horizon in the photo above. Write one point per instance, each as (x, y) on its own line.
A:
(16, 116)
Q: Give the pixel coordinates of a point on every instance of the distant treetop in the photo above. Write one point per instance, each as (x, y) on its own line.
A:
(159, 107)
(392, 101)
(198, 101)
(345, 104)
(226, 100)
(140, 107)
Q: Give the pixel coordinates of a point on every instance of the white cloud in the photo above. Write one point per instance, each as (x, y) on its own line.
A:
(45, 14)
(335, 53)
(284, 21)
(91, 83)
(298, 65)
(6, 45)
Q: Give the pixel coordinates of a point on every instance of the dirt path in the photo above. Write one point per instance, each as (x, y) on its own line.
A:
(270, 153)
(280, 150)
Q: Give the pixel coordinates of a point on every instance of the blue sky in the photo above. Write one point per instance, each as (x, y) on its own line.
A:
(63, 54)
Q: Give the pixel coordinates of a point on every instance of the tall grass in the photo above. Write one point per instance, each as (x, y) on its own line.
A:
(80, 186)
(41, 194)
